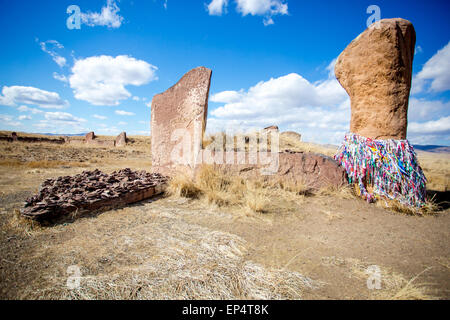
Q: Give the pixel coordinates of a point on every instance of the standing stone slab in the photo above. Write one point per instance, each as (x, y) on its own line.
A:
(121, 140)
(89, 136)
(179, 114)
(375, 70)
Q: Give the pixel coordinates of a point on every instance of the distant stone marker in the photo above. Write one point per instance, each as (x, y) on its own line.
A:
(178, 114)
(375, 70)
(121, 140)
(89, 136)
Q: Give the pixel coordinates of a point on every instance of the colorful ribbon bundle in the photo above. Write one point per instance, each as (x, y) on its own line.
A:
(389, 166)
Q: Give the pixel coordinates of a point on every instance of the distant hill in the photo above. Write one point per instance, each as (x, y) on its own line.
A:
(432, 148)
(64, 134)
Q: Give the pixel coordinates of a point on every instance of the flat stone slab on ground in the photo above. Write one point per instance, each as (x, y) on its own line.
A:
(91, 190)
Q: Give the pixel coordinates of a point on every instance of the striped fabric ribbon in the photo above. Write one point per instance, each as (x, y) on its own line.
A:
(390, 167)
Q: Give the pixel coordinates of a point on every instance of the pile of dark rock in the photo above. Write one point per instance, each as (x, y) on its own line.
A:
(91, 190)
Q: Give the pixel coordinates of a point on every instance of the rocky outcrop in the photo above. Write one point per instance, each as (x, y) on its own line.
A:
(91, 190)
(375, 70)
(310, 169)
(179, 115)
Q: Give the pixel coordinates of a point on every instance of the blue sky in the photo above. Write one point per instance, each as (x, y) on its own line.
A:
(272, 63)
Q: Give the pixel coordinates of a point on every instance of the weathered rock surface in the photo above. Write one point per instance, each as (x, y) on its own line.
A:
(375, 70)
(179, 116)
(311, 169)
(91, 190)
(292, 135)
(89, 136)
(121, 140)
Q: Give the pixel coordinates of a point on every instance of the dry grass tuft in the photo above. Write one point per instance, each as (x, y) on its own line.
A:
(394, 286)
(219, 188)
(342, 192)
(430, 207)
(182, 185)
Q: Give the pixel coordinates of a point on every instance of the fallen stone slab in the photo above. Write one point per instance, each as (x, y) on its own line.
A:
(91, 191)
(313, 170)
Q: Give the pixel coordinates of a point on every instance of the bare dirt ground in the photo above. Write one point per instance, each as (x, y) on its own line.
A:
(303, 247)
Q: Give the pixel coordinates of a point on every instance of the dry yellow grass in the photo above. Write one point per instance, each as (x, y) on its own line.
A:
(258, 195)
(43, 164)
(147, 252)
(430, 207)
(437, 170)
(394, 286)
(217, 187)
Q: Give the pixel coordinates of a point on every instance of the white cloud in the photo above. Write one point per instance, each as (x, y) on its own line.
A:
(101, 80)
(4, 117)
(24, 117)
(124, 113)
(60, 77)
(107, 17)
(217, 7)
(264, 8)
(7, 120)
(441, 126)
(100, 117)
(227, 96)
(136, 98)
(141, 133)
(435, 74)
(62, 117)
(51, 47)
(320, 111)
(60, 127)
(11, 96)
(424, 110)
(122, 123)
(418, 49)
(28, 109)
(108, 130)
(61, 122)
